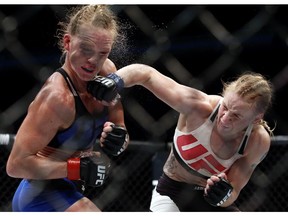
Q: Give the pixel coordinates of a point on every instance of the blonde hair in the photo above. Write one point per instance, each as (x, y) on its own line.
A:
(97, 15)
(255, 89)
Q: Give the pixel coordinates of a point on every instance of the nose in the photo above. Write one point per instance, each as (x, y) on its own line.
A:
(93, 59)
(226, 118)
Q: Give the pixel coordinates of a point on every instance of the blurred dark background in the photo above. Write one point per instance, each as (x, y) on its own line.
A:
(197, 45)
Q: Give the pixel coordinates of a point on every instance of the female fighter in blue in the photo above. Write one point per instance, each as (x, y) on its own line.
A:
(54, 150)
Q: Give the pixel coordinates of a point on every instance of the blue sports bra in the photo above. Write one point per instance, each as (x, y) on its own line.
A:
(82, 133)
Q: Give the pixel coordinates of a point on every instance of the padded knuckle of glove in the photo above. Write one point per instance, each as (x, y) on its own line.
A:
(219, 192)
(102, 88)
(116, 140)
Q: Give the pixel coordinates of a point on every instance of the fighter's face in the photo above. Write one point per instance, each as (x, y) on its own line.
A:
(89, 50)
(234, 114)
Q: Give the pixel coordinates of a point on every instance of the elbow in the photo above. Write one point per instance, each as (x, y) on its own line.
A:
(12, 168)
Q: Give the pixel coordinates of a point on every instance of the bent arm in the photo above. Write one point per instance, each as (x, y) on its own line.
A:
(38, 128)
(241, 172)
(181, 98)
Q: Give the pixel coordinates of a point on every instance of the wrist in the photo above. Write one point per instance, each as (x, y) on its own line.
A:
(118, 80)
(73, 168)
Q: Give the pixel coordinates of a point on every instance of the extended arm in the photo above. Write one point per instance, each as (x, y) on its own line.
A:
(179, 97)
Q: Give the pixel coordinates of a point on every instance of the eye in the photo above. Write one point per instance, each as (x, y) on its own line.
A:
(87, 51)
(236, 116)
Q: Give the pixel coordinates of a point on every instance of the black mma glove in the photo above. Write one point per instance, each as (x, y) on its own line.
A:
(91, 167)
(219, 192)
(106, 88)
(116, 141)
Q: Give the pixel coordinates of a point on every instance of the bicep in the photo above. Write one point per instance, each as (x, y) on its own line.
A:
(34, 131)
(179, 97)
(43, 120)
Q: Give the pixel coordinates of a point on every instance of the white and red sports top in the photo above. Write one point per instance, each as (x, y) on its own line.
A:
(195, 151)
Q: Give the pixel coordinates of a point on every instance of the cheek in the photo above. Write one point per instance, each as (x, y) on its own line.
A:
(75, 61)
(73, 57)
(220, 112)
(76, 57)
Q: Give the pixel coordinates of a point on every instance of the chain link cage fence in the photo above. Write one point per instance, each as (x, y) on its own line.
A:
(197, 45)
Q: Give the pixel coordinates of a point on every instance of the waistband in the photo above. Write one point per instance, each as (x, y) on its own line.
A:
(166, 183)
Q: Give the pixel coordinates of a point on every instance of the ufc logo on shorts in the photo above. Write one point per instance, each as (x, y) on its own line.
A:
(100, 174)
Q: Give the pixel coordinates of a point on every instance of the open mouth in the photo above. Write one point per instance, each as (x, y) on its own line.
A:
(87, 70)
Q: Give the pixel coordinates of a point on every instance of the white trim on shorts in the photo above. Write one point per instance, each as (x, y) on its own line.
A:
(160, 203)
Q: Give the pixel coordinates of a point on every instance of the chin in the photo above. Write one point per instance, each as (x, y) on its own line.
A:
(222, 128)
(87, 76)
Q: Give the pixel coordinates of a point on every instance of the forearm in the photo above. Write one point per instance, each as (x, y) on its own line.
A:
(135, 74)
(52, 168)
(35, 167)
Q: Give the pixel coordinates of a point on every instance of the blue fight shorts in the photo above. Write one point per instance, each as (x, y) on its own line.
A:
(54, 195)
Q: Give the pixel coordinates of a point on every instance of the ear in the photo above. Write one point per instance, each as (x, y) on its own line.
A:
(66, 41)
(258, 118)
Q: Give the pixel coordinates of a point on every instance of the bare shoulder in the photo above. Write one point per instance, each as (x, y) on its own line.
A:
(261, 137)
(54, 98)
(258, 145)
(209, 104)
(213, 100)
(108, 67)
(55, 89)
